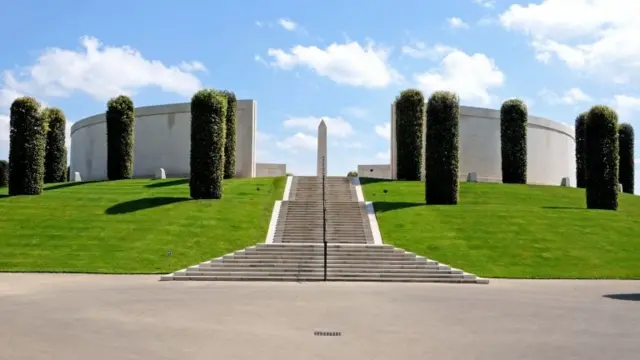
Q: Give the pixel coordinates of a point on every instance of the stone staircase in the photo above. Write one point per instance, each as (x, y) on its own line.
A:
(296, 252)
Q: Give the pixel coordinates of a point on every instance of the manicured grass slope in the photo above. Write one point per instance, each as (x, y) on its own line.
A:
(513, 231)
(129, 226)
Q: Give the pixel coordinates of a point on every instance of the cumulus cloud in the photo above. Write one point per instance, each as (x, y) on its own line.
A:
(570, 97)
(101, 72)
(421, 50)
(470, 76)
(625, 105)
(349, 64)
(485, 3)
(299, 141)
(457, 23)
(287, 24)
(384, 131)
(384, 155)
(599, 38)
(335, 125)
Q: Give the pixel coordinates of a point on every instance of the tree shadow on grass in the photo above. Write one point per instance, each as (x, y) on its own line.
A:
(143, 204)
(564, 208)
(384, 206)
(367, 180)
(161, 184)
(68, 184)
(627, 297)
(4, 196)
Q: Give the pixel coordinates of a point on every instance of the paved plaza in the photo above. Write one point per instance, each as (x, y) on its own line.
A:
(48, 316)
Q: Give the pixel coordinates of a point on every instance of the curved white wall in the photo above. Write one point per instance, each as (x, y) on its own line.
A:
(161, 140)
(550, 147)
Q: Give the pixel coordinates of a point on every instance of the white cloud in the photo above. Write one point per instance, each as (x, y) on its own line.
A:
(599, 37)
(299, 141)
(7, 96)
(470, 76)
(570, 97)
(287, 24)
(485, 3)
(356, 112)
(637, 161)
(384, 155)
(625, 105)
(4, 128)
(101, 72)
(335, 125)
(384, 130)
(420, 50)
(348, 64)
(457, 23)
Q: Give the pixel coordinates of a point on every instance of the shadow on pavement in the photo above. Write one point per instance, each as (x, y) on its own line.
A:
(143, 204)
(627, 297)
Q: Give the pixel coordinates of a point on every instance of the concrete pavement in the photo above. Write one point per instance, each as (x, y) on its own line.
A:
(47, 316)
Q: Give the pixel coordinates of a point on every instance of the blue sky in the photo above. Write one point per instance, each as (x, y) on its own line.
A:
(342, 60)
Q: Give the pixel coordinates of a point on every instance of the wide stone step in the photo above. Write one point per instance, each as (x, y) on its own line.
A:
(319, 277)
(320, 260)
(353, 258)
(367, 267)
(332, 270)
(320, 252)
(306, 246)
(309, 240)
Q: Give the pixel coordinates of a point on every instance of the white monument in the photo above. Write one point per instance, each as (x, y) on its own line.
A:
(322, 148)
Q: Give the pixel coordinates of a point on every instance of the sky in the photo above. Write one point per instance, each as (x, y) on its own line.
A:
(343, 61)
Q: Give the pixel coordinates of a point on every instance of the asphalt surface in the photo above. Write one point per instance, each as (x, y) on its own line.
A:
(45, 316)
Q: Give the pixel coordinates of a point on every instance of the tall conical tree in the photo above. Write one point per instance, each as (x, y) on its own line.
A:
(26, 147)
(513, 139)
(627, 165)
(230, 135)
(581, 173)
(55, 163)
(602, 156)
(120, 117)
(208, 115)
(410, 120)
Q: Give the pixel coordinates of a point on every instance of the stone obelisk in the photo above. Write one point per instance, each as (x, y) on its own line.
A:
(322, 148)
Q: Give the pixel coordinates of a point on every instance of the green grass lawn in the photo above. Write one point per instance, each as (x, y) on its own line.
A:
(130, 226)
(513, 231)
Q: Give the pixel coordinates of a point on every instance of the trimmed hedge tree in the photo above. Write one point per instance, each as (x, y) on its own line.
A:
(513, 139)
(4, 173)
(230, 137)
(55, 160)
(208, 130)
(602, 157)
(581, 172)
(26, 147)
(442, 150)
(120, 117)
(410, 119)
(627, 166)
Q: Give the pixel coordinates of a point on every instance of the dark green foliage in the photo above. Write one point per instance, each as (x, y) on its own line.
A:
(208, 130)
(627, 166)
(68, 173)
(26, 148)
(410, 113)
(4, 173)
(442, 150)
(352, 174)
(513, 139)
(602, 157)
(120, 117)
(581, 122)
(230, 137)
(55, 160)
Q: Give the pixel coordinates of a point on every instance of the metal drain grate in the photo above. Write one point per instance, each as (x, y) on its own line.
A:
(327, 333)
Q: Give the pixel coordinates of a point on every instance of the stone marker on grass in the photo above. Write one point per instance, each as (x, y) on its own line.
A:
(76, 177)
(160, 174)
(472, 177)
(565, 182)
